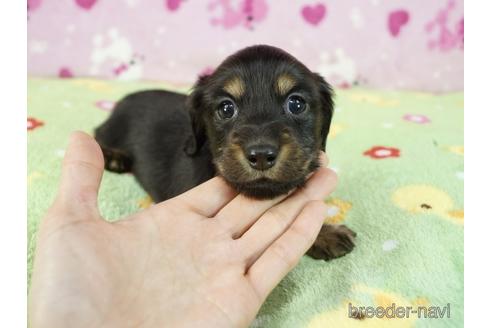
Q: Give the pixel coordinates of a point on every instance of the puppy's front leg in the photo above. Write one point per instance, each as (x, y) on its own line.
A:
(333, 241)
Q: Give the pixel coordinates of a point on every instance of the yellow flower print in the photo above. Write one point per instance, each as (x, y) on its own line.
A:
(339, 317)
(427, 199)
(94, 85)
(374, 99)
(460, 150)
(33, 176)
(145, 202)
(335, 129)
(337, 210)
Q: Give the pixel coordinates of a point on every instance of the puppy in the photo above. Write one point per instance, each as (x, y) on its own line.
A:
(259, 121)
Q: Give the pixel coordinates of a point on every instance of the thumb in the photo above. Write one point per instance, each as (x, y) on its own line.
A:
(82, 170)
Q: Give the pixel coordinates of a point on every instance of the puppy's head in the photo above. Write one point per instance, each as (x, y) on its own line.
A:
(265, 116)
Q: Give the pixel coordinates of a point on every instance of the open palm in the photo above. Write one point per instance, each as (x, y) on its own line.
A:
(207, 258)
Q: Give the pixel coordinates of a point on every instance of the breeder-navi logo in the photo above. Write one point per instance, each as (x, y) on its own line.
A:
(393, 311)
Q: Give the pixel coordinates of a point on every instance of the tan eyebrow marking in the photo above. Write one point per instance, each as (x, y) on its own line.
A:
(285, 82)
(235, 87)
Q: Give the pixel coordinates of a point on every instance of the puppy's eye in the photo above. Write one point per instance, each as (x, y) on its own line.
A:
(296, 104)
(226, 110)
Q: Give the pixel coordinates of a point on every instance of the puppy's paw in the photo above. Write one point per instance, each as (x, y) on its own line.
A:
(333, 241)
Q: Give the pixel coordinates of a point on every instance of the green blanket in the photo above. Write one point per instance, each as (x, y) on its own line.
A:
(399, 157)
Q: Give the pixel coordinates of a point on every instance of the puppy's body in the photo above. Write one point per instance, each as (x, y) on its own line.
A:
(259, 121)
(147, 135)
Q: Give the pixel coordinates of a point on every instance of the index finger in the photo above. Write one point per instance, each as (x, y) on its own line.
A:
(207, 198)
(283, 255)
(242, 212)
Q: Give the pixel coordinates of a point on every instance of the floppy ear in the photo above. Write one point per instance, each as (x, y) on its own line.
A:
(326, 93)
(195, 108)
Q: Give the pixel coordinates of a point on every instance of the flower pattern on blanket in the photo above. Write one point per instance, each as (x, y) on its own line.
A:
(373, 99)
(459, 150)
(145, 202)
(94, 85)
(33, 176)
(395, 204)
(416, 118)
(361, 294)
(380, 152)
(426, 199)
(337, 211)
(335, 130)
(105, 105)
(33, 123)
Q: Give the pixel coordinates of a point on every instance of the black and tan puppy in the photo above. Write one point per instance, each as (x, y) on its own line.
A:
(259, 121)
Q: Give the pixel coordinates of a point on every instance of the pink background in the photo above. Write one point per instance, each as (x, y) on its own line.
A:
(395, 44)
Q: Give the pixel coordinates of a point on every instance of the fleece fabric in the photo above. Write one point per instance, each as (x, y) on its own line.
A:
(399, 157)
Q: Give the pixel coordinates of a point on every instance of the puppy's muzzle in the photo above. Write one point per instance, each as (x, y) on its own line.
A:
(261, 156)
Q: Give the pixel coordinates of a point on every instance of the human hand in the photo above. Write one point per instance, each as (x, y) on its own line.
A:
(207, 258)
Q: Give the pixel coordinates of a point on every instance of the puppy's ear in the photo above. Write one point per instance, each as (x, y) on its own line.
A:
(195, 109)
(326, 94)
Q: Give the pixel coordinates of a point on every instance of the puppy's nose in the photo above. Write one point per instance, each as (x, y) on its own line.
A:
(261, 157)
